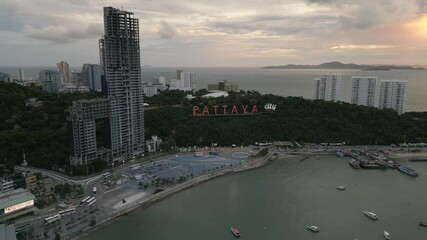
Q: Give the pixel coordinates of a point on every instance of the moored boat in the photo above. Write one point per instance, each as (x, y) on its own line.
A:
(407, 170)
(386, 235)
(371, 215)
(391, 164)
(313, 228)
(235, 231)
(354, 163)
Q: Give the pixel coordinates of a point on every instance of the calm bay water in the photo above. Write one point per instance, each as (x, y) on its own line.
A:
(278, 81)
(278, 201)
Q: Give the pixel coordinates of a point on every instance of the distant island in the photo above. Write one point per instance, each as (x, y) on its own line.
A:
(339, 65)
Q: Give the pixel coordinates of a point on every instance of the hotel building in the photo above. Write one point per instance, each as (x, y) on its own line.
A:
(363, 90)
(393, 95)
(328, 87)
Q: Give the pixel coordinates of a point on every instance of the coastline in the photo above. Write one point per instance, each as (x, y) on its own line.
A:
(166, 193)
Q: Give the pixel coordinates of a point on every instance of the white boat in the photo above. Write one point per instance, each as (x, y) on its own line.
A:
(386, 235)
(313, 228)
(342, 188)
(371, 215)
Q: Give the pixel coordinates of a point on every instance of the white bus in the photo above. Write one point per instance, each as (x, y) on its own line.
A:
(82, 202)
(90, 201)
(52, 219)
(67, 212)
(135, 167)
(89, 204)
(106, 174)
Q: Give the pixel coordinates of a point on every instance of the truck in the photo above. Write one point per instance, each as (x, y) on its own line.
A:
(94, 190)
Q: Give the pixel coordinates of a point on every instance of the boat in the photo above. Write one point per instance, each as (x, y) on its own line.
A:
(313, 228)
(407, 170)
(342, 188)
(386, 235)
(371, 215)
(340, 154)
(424, 224)
(354, 163)
(391, 164)
(235, 232)
(373, 165)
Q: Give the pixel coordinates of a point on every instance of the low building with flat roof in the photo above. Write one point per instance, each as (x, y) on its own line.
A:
(7, 231)
(16, 203)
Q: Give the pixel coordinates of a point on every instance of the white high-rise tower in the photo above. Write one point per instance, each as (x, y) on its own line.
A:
(393, 95)
(328, 87)
(363, 90)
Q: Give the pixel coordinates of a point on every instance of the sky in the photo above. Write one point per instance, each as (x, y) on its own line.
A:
(220, 33)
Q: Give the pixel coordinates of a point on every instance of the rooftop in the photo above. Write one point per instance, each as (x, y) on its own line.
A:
(14, 197)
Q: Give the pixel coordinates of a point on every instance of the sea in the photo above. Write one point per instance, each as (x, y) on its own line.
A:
(280, 200)
(283, 82)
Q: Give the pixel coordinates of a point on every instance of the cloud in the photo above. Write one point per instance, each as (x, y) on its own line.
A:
(422, 5)
(62, 34)
(366, 47)
(167, 31)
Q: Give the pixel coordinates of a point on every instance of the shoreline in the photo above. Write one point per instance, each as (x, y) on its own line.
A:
(166, 193)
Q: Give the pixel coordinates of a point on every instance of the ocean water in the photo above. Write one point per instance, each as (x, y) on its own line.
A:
(278, 201)
(279, 81)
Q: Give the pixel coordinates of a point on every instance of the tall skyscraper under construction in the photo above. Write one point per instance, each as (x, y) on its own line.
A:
(112, 128)
(120, 57)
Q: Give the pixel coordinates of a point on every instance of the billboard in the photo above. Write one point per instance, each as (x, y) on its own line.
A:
(19, 206)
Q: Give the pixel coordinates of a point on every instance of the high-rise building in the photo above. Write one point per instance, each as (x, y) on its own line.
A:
(50, 81)
(4, 77)
(223, 86)
(393, 95)
(91, 76)
(160, 80)
(363, 90)
(120, 57)
(21, 74)
(82, 128)
(64, 71)
(185, 82)
(328, 87)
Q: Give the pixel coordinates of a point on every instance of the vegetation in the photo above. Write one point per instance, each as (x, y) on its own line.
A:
(42, 132)
(67, 189)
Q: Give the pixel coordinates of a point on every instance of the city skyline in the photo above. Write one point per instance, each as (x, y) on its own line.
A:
(197, 34)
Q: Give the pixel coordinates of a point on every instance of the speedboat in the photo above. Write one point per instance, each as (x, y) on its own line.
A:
(235, 232)
(371, 215)
(313, 228)
(386, 235)
(424, 224)
(342, 188)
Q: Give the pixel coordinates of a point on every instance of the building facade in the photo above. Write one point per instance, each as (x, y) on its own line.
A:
(64, 71)
(91, 76)
(16, 203)
(223, 86)
(363, 91)
(120, 57)
(82, 129)
(393, 95)
(4, 77)
(21, 75)
(153, 145)
(51, 81)
(328, 87)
